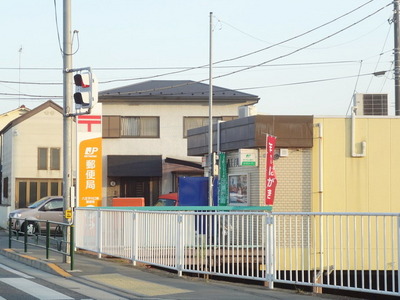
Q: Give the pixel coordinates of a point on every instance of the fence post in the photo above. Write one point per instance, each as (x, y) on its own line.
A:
(179, 245)
(26, 237)
(98, 232)
(398, 255)
(72, 245)
(270, 250)
(134, 245)
(47, 239)
(9, 232)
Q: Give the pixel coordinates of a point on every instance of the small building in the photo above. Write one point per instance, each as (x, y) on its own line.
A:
(323, 164)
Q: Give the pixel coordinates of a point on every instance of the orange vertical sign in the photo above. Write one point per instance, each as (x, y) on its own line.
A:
(90, 172)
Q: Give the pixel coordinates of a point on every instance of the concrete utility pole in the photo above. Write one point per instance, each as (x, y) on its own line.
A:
(210, 125)
(67, 100)
(396, 21)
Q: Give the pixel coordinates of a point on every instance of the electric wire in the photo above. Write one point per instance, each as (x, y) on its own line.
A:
(58, 33)
(243, 55)
(265, 62)
(305, 82)
(180, 68)
(253, 66)
(236, 89)
(297, 36)
(306, 46)
(134, 68)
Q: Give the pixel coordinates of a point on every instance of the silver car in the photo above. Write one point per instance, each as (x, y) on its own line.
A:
(46, 209)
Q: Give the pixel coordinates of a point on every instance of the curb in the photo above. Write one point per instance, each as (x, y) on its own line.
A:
(35, 262)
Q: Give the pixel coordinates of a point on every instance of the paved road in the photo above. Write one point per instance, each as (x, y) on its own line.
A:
(120, 277)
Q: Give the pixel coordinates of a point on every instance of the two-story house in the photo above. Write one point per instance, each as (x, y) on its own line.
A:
(145, 133)
(31, 157)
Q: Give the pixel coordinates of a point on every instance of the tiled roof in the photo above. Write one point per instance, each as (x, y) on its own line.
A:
(174, 90)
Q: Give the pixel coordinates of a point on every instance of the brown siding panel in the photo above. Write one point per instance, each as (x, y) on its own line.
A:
(250, 132)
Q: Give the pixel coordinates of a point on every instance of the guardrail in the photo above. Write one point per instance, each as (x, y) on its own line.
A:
(355, 252)
(51, 236)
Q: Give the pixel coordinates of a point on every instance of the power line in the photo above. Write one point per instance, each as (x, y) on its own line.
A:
(247, 54)
(179, 68)
(304, 47)
(307, 81)
(297, 36)
(151, 68)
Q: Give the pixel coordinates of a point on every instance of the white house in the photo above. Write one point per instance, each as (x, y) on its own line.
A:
(31, 158)
(144, 133)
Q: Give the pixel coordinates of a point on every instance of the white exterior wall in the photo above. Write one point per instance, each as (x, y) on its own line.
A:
(170, 143)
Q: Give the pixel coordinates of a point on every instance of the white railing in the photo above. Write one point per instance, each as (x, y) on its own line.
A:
(357, 252)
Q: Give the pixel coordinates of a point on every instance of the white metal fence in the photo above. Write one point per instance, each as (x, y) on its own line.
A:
(358, 252)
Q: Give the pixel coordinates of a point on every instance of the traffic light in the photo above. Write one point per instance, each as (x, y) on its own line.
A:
(86, 90)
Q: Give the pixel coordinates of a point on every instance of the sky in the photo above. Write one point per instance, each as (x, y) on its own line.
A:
(331, 51)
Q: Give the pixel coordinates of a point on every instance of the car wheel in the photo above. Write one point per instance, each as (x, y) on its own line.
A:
(31, 228)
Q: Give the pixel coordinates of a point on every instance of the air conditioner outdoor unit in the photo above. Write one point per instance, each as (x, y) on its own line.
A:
(371, 104)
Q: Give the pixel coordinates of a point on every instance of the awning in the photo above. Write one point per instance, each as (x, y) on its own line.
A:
(134, 165)
(187, 163)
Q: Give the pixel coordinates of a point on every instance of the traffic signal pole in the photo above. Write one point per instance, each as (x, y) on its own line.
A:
(67, 120)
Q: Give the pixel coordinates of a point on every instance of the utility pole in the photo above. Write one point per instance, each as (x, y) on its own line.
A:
(396, 21)
(67, 121)
(210, 125)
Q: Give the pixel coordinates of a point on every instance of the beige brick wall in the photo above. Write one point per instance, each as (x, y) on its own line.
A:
(293, 191)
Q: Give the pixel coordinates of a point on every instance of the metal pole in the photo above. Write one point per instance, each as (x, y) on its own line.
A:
(396, 21)
(210, 125)
(67, 100)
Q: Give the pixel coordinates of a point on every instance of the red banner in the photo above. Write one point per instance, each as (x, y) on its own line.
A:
(270, 178)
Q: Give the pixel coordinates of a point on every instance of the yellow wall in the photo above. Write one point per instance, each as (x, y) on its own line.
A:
(357, 184)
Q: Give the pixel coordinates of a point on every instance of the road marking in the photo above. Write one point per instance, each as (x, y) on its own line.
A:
(15, 272)
(34, 289)
(135, 285)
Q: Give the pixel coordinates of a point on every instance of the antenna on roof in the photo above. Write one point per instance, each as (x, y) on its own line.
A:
(19, 77)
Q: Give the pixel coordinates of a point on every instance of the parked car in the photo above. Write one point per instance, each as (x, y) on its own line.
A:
(49, 208)
(170, 199)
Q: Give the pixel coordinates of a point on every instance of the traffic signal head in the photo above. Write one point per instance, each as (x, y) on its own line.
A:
(85, 90)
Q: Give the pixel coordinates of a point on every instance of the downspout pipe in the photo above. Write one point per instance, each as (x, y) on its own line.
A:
(353, 133)
(320, 167)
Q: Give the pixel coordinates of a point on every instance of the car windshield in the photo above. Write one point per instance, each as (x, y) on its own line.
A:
(38, 203)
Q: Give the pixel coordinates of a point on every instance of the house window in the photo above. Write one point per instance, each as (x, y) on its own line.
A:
(30, 190)
(131, 127)
(42, 158)
(195, 122)
(111, 126)
(54, 158)
(5, 187)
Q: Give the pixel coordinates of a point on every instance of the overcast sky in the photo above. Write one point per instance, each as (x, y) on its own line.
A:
(311, 74)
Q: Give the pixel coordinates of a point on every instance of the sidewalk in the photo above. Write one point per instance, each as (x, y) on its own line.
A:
(141, 281)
